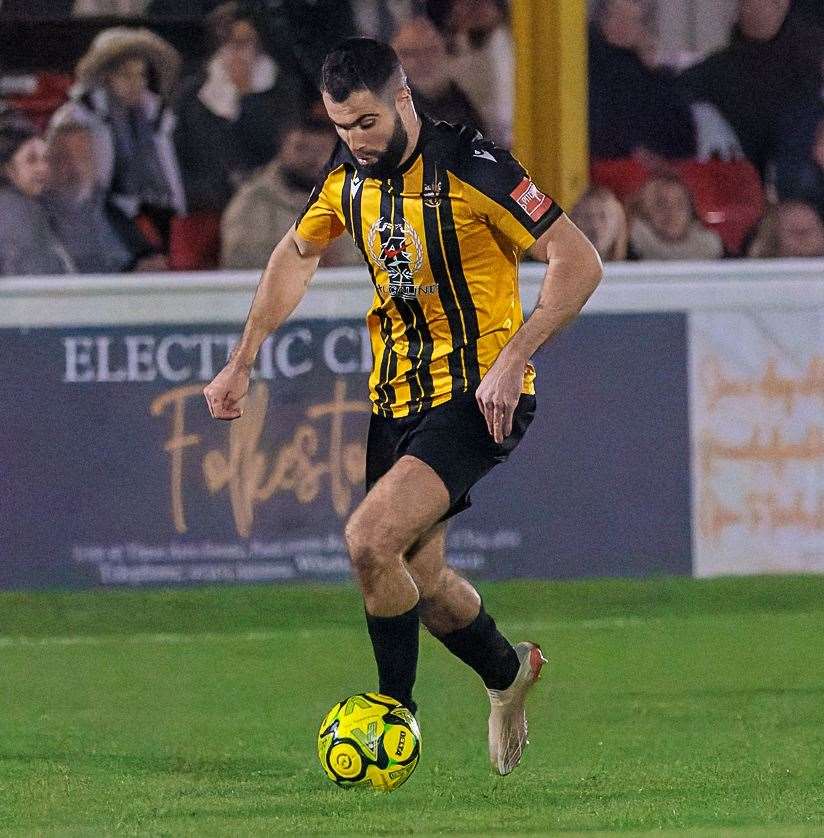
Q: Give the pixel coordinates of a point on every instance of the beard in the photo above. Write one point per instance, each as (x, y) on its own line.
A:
(389, 159)
(299, 179)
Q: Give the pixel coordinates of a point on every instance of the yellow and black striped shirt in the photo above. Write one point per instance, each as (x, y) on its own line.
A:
(441, 238)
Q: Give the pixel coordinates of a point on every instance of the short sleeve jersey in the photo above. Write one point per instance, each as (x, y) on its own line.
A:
(442, 238)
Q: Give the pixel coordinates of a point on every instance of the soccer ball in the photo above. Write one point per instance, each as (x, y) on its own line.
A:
(369, 740)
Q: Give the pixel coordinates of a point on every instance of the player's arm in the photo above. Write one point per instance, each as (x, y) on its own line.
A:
(291, 266)
(573, 272)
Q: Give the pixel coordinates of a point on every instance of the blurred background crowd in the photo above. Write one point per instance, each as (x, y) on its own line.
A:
(187, 134)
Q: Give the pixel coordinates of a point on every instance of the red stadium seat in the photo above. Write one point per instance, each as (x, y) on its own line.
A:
(48, 92)
(194, 242)
(728, 196)
(622, 177)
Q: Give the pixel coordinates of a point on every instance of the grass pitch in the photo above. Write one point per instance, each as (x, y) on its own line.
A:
(671, 705)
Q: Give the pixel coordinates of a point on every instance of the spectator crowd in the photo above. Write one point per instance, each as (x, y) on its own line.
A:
(725, 157)
(157, 159)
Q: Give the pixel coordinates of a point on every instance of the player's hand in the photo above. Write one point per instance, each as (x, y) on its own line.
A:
(224, 394)
(498, 394)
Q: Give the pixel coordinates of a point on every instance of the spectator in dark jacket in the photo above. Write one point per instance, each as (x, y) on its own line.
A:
(772, 63)
(813, 10)
(633, 108)
(799, 168)
(232, 117)
(422, 52)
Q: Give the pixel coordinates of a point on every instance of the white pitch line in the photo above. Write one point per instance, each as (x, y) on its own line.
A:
(171, 639)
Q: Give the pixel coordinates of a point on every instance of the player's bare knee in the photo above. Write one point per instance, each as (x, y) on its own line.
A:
(370, 545)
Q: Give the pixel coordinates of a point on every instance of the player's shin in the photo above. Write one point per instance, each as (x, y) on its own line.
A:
(483, 648)
(395, 644)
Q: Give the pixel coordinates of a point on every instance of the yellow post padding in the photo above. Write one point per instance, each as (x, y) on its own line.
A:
(551, 131)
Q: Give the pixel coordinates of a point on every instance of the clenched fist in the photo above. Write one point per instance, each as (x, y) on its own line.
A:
(225, 392)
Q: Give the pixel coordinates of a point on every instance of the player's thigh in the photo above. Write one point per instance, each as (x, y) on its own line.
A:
(401, 507)
(426, 559)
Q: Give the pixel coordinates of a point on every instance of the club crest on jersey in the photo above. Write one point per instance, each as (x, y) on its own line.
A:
(531, 200)
(396, 247)
(433, 194)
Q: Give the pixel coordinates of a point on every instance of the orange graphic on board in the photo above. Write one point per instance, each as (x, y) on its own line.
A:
(771, 385)
(252, 473)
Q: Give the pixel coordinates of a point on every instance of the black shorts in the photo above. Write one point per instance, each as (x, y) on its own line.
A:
(451, 438)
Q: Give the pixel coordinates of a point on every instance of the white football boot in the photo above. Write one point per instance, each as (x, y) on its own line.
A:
(507, 717)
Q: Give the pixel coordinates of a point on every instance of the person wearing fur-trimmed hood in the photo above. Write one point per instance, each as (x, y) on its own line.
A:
(123, 86)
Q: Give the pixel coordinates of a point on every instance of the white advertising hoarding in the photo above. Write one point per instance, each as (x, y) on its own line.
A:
(757, 405)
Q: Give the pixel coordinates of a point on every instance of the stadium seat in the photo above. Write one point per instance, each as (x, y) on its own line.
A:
(194, 242)
(622, 177)
(728, 195)
(44, 94)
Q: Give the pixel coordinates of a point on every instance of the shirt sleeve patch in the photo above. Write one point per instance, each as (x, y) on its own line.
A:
(531, 200)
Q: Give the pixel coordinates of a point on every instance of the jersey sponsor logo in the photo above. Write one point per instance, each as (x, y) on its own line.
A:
(531, 200)
(397, 248)
(484, 155)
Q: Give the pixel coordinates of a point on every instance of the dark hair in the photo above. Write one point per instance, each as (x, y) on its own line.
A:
(358, 64)
(222, 18)
(14, 132)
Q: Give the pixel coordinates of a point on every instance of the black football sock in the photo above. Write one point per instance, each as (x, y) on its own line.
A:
(481, 646)
(395, 643)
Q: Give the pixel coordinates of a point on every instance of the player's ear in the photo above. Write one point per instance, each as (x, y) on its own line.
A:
(403, 98)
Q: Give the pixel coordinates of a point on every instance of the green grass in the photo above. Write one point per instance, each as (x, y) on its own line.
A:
(677, 706)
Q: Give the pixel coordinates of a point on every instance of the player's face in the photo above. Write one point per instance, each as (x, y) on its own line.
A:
(373, 130)
(28, 169)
